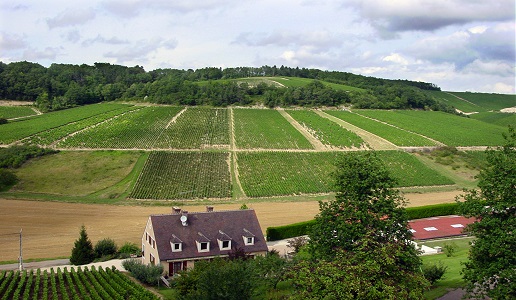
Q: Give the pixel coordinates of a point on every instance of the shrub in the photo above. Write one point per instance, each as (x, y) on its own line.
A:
(450, 249)
(3, 121)
(7, 179)
(288, 231)
(15, 156)
(434, 272)
(105, 247)
(148, 274)
(129, 249)
(297, 242)
(428, 211)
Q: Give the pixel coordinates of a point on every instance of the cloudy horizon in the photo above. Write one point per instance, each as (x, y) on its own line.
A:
(459, 45)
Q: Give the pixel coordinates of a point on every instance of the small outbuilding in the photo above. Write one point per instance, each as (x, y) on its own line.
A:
(178, 240)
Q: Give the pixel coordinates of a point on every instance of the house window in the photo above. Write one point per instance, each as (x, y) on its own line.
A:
(177, 247)
(203, 246)
(152, 259)
(143, 250)
(248, 240)
(225, 245)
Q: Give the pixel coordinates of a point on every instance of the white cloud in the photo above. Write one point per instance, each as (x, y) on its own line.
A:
(71, 17)
(396, 58)
(11, 42)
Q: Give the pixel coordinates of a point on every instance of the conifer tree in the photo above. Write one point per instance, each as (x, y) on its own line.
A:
(82, 252)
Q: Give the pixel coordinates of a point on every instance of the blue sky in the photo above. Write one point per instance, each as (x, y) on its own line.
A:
(460, 45)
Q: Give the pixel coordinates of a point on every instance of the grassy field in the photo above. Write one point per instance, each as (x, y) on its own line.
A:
(496, 118)
(452, 279)
(74, 173)
(460, 104)
(10, 112)
(488, 101)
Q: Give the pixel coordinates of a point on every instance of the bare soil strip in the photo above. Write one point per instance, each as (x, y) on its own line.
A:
(173, 120)
(317, 144)
(50, 228)
(233, 154)
(372, 141)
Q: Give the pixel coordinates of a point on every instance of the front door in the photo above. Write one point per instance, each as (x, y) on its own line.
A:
(175, 267)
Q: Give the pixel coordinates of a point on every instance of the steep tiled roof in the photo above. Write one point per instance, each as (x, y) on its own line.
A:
(206, 226)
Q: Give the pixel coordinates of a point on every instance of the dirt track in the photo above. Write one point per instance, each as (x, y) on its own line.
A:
(50, 228)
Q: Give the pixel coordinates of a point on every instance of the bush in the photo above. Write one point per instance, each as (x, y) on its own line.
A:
(105, 248)
(15, 156)
(303, 228)
(129, 249)
(148, 274)
(450, 249)
(3, 121)
(434, 272)
(7, 179)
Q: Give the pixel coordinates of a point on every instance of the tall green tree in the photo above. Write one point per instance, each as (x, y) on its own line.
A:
(491, 268)
(360, 241)
(366, 201)
(82, 252)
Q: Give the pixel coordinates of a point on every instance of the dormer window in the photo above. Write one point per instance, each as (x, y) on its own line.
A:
(224, 241)
(203, 243)
(248, 238)
(176, 244)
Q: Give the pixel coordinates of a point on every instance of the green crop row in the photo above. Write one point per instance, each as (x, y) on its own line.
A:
(488, 101)
(20, 129)
(184, 175)
(395, 135)
(284, 173)
(328, 132)
(449, 129)
(10, 112)
(496, 118)
(133, 130)
(266, 129)
(197, 127)
(52, 135)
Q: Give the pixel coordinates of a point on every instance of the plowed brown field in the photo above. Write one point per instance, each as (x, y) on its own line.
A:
(50, 228)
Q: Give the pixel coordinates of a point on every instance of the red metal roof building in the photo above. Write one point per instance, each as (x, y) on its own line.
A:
(439, 227)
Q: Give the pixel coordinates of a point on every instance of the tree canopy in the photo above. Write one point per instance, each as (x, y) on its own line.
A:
(82, 252)
(65, 85)
(360, 242)
(365, 202)
(491, 268)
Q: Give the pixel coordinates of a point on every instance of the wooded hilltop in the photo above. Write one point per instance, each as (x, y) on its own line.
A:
(65, 85)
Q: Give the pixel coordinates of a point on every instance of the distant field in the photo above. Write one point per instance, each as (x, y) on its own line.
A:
(139, 129)
(266, 129)
(197, 127)
(446, 128)
(394, 135)
(462, 105)
(17, 130)
(281, 173)
(497, 118)
(184, 175)
(488, 101)
(10, 112)
(328, 132)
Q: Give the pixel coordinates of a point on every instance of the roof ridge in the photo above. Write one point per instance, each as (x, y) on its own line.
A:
(203, 212)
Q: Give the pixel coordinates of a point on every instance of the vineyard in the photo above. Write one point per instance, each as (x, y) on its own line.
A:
(395, 135)
(266, 129)
(326, 131)
(101, 284)
(264, 174)
(460, 131)
(184, 175)
(20, 129)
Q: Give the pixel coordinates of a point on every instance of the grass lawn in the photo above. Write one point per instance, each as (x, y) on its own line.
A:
(452, 279)
(75, 173)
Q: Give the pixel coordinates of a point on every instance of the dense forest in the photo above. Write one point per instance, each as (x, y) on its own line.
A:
(64, 85)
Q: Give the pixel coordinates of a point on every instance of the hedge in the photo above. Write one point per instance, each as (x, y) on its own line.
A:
(303, 228)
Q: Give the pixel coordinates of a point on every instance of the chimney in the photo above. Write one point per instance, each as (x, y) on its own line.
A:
(209, 208)
(176, 210)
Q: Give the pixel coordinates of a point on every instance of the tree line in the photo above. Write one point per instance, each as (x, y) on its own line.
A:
(65, 85)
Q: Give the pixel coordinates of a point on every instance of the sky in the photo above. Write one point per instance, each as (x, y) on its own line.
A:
(460, 45)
